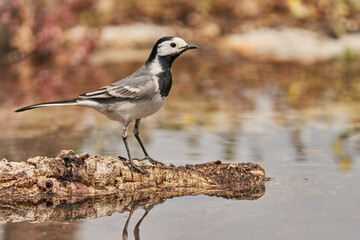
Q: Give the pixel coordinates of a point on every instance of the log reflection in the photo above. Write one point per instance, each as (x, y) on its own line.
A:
(52, 211)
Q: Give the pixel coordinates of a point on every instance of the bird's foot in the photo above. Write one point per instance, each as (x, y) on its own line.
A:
(130, 164)
(152, 161)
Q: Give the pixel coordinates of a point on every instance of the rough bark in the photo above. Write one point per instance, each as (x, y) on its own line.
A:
(72, 175)
(71, 187)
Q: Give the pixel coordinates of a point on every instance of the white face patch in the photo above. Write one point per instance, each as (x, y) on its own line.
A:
(172, 46)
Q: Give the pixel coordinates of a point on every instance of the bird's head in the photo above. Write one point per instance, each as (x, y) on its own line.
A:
(172, 46)
(169, 48)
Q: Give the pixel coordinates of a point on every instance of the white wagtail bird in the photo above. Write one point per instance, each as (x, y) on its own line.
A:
(137, 96)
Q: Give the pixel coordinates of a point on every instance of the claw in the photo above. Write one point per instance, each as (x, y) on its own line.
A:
(132, 165)
(137, 168)
(122, 159)
(152, 161)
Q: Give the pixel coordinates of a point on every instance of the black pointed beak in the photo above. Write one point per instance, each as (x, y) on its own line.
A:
(187, 47)
(191, 47)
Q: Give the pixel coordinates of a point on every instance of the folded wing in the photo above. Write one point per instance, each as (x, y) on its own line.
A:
(127, 88)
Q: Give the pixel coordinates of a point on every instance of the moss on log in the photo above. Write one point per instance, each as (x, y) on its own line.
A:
(69, 175)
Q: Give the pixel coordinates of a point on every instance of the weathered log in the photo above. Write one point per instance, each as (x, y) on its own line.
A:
(72, 175)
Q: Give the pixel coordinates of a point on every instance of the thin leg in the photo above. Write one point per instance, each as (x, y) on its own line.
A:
(136, 134)
(125, 232)
(137, 227)
(124, 137)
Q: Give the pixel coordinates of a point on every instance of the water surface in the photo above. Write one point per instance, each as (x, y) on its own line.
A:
(300, 124)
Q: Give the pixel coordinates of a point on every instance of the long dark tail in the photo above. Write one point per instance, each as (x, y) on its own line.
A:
(56, 103)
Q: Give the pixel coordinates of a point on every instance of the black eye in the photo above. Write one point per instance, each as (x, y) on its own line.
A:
(173, 45)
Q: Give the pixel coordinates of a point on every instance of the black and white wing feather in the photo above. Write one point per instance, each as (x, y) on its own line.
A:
(126, 88)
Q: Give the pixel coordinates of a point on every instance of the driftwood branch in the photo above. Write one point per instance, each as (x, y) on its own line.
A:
(71, 187)
(72, 175)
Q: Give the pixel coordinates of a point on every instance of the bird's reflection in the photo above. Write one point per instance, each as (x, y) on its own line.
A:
(137, 226)
(51, 211)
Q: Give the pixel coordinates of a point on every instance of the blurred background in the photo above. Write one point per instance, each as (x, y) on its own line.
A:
(276, 82)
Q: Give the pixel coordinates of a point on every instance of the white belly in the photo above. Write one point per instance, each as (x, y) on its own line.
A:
(144, 108)
(122, 110)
